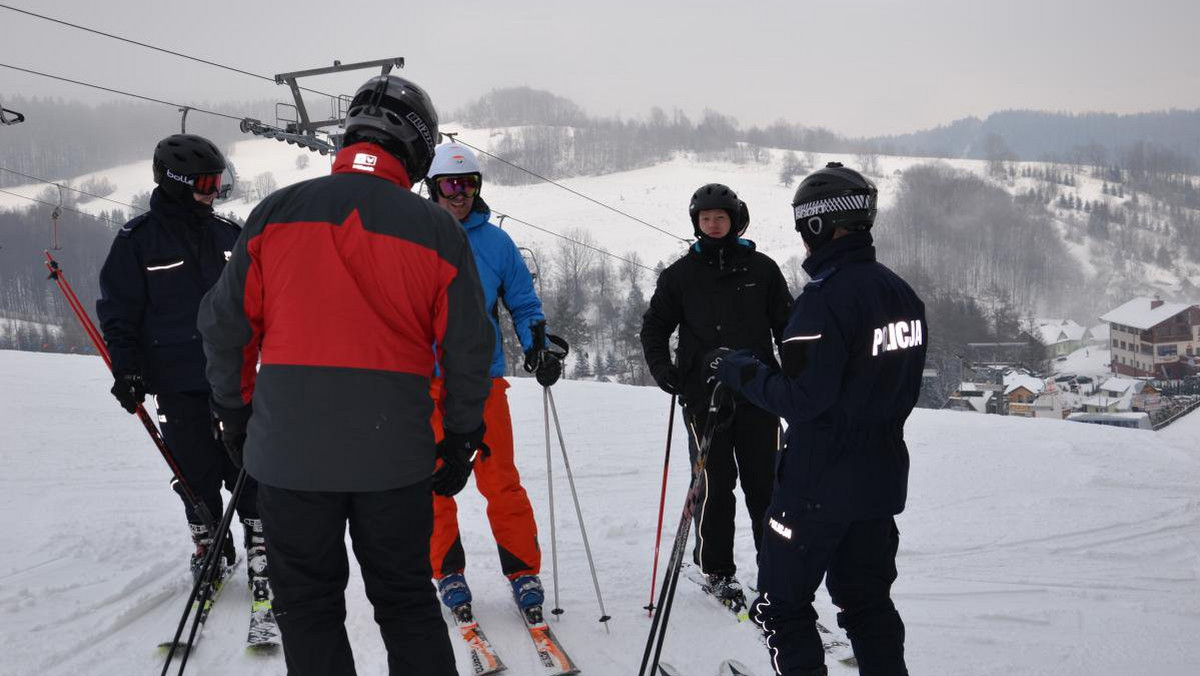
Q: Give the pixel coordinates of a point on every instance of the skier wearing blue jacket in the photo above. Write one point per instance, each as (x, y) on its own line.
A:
(454, 182)
(853, 353)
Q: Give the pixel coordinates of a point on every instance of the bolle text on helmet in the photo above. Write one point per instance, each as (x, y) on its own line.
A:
(899, 335)
(186, 180)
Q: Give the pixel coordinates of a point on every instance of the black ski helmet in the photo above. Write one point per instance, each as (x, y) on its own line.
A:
(398, 115)
(186, 163)
(717, 196)
(831, 198)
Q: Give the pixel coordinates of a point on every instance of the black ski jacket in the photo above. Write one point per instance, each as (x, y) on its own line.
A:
(853, 355)
(159, 267)
(718, 296)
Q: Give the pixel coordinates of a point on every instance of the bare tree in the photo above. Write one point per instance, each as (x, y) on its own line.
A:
(868, 163)
(265, 184)
(793, 269)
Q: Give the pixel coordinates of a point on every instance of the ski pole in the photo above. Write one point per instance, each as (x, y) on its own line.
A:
(181, 486)
(202, 588)
(604, 617)
(662, 502)
(550, 488)
(658, 627)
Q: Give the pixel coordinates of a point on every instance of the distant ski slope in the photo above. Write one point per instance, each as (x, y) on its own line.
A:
(659, 195)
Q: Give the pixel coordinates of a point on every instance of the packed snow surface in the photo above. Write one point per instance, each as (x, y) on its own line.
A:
(1029, 546)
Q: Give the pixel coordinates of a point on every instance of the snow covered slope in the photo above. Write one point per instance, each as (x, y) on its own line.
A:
(659, 195)
(1029, 546)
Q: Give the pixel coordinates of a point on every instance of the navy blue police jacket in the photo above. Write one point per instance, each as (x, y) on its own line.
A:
(853, 354)
(159, 267)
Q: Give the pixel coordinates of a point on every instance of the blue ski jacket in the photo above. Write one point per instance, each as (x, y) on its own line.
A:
(505, 278)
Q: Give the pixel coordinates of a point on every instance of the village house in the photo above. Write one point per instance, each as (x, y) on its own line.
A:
(1151, 338)
(1122, 395)
(1021, 391)
(1061, 336)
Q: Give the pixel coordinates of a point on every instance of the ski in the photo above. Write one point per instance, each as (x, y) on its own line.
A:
(553, 658)
(200, 612)
(484, 659)
(836, 647)
(727, 668)
(733, 668)
(737, 606)
(263, 635)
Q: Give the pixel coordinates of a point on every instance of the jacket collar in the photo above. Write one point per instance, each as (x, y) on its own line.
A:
(721, 254)
(173, 211)
(477, 218)
(368, 158)
(855, 247)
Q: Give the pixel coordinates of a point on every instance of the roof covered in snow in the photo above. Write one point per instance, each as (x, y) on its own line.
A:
(1014, 380)
(1121, 403)
(1054, 331)
(1139, 314)
(1122, 385)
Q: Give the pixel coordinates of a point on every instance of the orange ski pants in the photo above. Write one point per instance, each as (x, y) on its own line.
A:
(496, 477)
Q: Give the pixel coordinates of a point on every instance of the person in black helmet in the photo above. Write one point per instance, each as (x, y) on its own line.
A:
(158, 268)
(721, 293)
(339, 288)
(852, 354)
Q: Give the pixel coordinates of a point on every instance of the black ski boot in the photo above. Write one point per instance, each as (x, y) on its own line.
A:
(203, 540)
(728, 591)
(256, 563)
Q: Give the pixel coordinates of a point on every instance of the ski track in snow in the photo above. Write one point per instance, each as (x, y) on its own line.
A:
(1029, 546)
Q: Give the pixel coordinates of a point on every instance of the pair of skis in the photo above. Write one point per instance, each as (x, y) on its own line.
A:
(835, 645)
(263, 634)
(484, 658)
(727, 668)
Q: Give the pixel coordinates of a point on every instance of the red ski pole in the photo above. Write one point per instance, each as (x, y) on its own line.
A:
(662, 501)
(180, 484)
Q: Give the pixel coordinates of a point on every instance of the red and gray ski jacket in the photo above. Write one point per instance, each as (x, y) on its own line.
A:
(323, 320)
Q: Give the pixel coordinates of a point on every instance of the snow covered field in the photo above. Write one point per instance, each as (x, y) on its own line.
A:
(658, 194)
(1029, 546)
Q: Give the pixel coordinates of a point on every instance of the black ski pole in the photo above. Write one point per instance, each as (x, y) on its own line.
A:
(713, 424)
(202, 587)
(181, 486)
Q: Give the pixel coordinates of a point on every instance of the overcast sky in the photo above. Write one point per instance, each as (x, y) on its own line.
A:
(860, 68)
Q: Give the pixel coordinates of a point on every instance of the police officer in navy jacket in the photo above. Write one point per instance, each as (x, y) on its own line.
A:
(160, 265)
(853, 353)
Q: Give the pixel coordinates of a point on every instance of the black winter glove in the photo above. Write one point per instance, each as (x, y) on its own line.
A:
(129, 389)
(721, 401)
(667, 379)
(229, 427)
(541, 360)
(712, 361)
(458, 453)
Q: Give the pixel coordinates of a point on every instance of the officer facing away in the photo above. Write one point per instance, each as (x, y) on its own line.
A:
(853, 353)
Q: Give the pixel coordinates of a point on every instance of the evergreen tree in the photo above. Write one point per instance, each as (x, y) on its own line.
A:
(583, 366)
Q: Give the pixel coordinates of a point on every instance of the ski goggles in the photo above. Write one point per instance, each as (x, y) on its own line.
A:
(211, 184)
(465, 184)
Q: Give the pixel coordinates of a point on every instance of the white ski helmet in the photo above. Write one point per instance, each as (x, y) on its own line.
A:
(451, 159)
